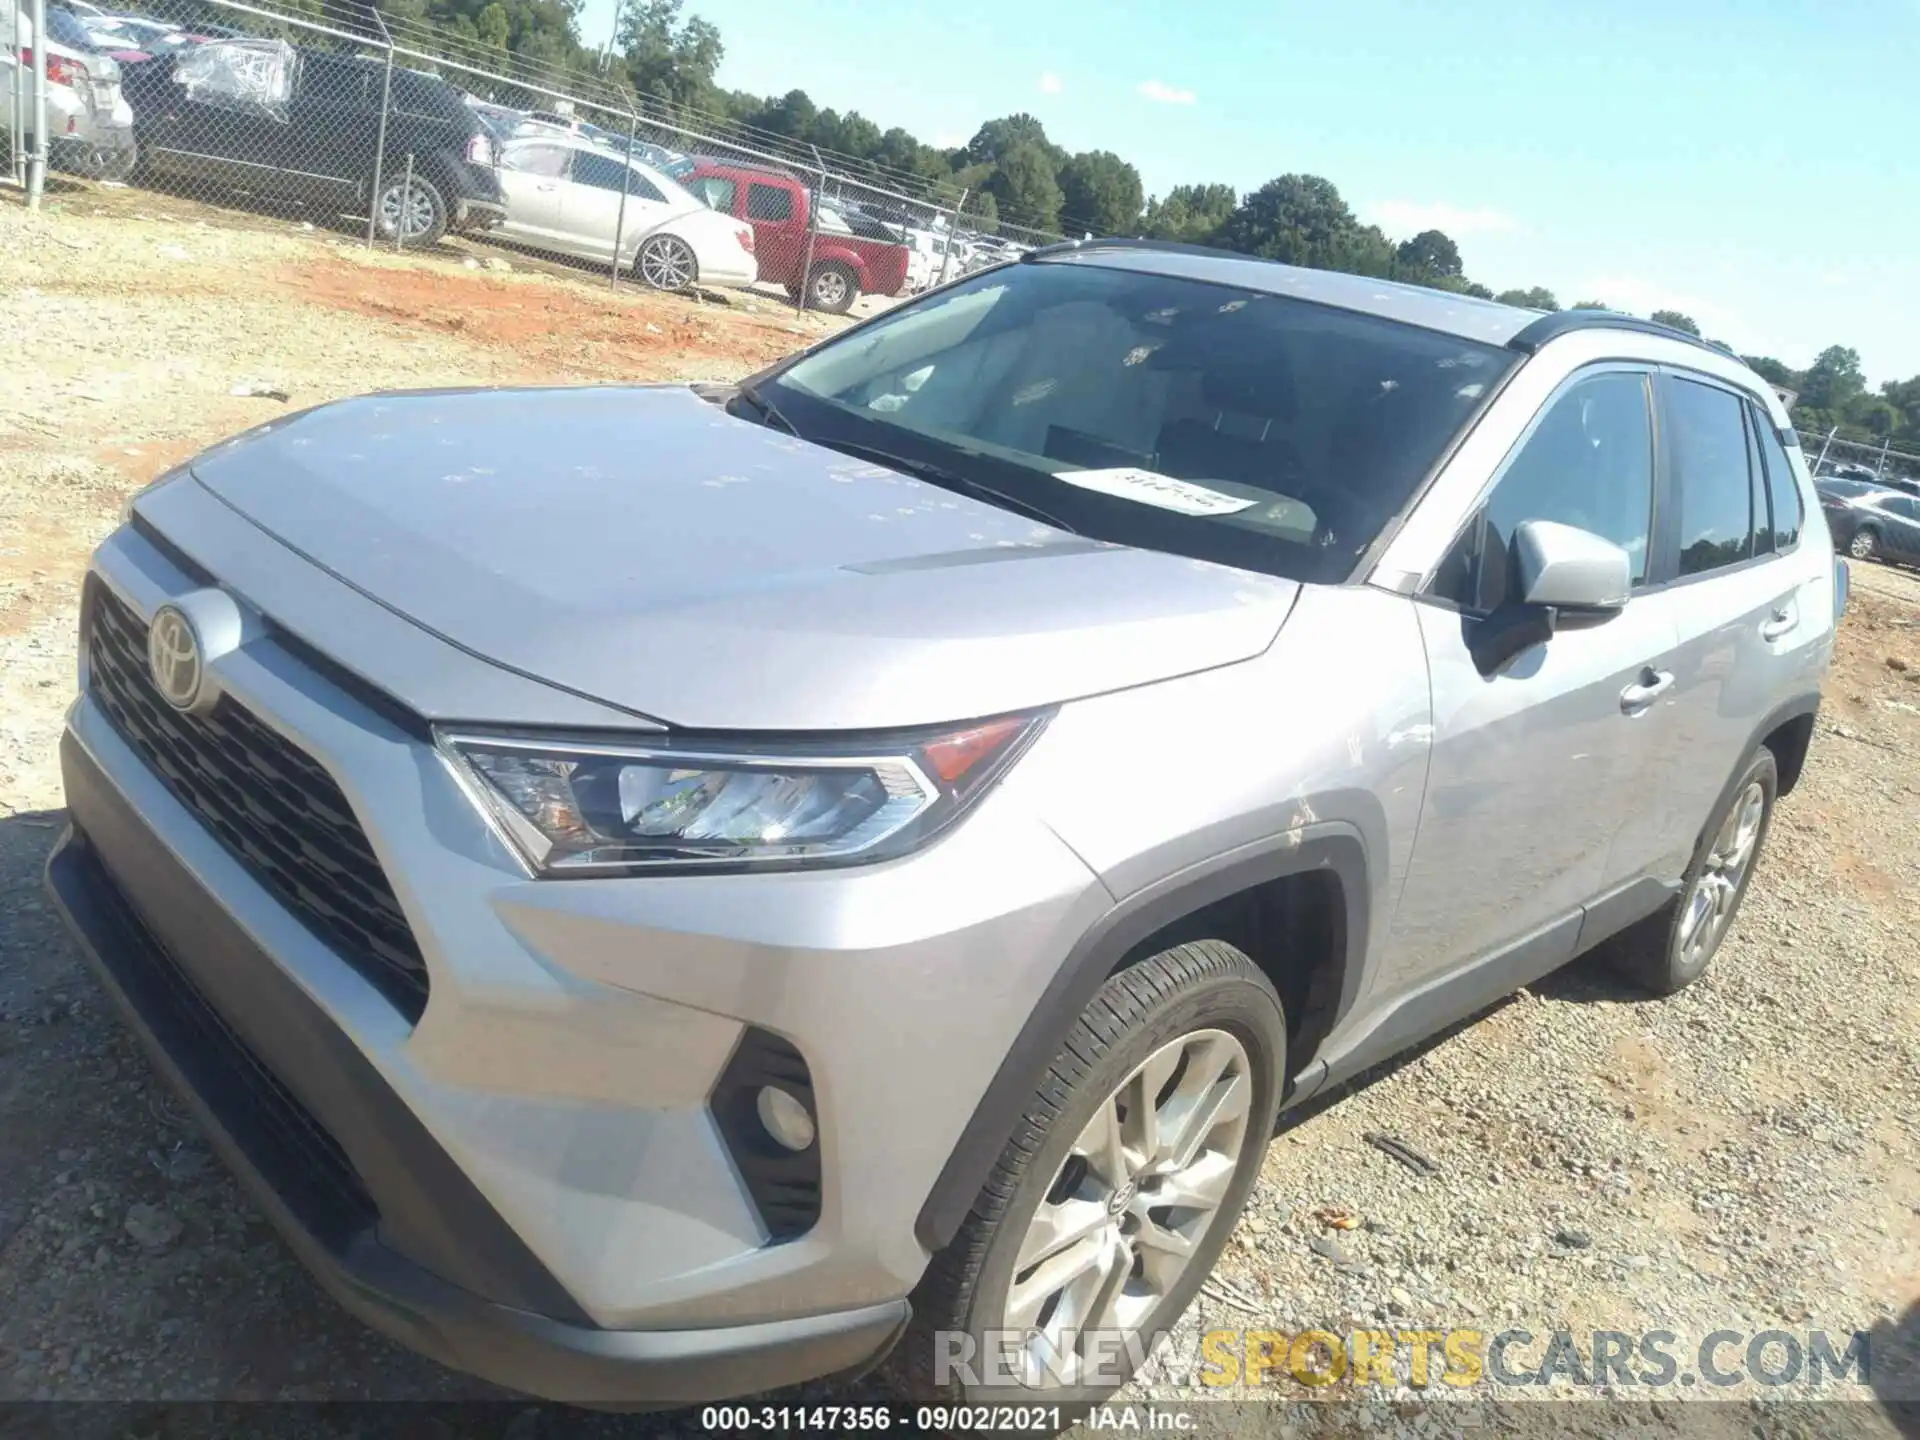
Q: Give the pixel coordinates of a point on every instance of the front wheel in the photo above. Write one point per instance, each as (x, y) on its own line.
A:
(667, 263)
(1115, 1193)
(1864, 545)
(412, 209)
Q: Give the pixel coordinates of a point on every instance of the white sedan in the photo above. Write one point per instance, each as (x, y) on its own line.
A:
(564, 195)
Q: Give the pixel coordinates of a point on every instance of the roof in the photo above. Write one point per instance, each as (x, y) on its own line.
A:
(1487, 321)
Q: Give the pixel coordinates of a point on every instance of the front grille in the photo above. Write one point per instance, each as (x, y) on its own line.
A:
(267, 801)
(293, 1151)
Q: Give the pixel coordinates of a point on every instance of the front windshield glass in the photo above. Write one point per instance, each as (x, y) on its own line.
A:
(1170, 414)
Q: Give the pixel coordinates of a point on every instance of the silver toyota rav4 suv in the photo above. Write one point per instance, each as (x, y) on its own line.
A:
(670, 892)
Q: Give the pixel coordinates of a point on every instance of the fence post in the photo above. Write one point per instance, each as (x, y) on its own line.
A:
(953, 235)
(17, 121)
(1880, 465)
(1825, 445)
(380, 144)
(626, 184)
(813, 229)
(37, 157)
(406, 205)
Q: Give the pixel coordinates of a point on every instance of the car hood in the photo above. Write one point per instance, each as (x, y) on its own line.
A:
(639, 545)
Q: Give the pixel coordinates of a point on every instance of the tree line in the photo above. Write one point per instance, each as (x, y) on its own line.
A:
(1014, 177)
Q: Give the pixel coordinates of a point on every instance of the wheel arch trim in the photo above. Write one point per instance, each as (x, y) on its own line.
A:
(1334, 846)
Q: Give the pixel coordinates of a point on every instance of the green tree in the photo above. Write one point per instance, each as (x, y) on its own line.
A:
(1536, 298)
(1299, 219)
(996, 137)
(1191, 214)
(1100, 192)
(1772, 370)
(1023, 183)
(1430, 254)
(1590, 305)
(1833, 382)
(1674, 320)
(982, 211)
(668, 59)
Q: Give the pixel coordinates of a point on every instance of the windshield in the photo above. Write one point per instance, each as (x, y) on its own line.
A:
(1169, 414)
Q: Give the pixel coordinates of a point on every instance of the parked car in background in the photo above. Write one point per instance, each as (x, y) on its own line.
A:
(89, 122)
(563, 194)
(132, 39)
(1870, 521)
(269, 118)
(835, 269)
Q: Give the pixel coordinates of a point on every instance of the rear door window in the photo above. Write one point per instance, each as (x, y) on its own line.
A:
(769, 202)
(1707, 438)
(545, 160)
(1782, 487)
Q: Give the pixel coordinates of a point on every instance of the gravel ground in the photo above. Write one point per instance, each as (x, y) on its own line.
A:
(1741, 1157)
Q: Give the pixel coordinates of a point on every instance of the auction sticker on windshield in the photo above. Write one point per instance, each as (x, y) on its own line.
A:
(1149, 488)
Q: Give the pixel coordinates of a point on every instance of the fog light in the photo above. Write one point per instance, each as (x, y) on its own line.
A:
(784, 1117)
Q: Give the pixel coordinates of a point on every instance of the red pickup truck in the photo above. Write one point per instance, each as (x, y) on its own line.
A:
(778, 206)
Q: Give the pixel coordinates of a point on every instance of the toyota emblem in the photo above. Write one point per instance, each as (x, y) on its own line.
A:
(173, 655)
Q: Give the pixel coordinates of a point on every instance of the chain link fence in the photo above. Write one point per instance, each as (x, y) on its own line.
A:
(408, 134)
(1831, 455)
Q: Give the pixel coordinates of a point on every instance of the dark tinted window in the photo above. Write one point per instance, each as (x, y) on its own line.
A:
(769, 202)
(1587, 463)
(335, 84)
(1709, 448)
(606, 173)
(1155, 411)
(1757, 481)
(1781, 486)
(425, 95)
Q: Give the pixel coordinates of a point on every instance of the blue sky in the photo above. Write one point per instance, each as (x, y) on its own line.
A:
(1753, 165)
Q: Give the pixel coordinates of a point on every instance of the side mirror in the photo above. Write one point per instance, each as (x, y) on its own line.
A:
(1560, 572)
(1568, 568)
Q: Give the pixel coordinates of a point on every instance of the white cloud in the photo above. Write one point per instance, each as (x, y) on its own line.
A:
(1410, 217)
(1050, 83)
(1164, 94)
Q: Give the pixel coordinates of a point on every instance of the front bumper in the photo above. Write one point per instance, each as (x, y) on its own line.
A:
(576, 1034)
(240, 1069)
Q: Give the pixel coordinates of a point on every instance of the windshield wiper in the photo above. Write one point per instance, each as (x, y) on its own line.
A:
(768, 412)
(947, 480)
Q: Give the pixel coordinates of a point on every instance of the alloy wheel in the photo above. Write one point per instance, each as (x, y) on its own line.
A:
(829, 289)
(666, 264)
(1130, 1205)
(1861, 546)
(406, 210)
(1710, 901)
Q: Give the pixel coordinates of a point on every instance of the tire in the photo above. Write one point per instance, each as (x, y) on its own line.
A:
(1865, 544)
(832, 288)
(666, 262)
(426, 215)
(1200, 1003)
(1669, 951)
(121, 166)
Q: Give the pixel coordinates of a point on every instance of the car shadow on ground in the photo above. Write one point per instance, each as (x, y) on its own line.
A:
(1894, 1346)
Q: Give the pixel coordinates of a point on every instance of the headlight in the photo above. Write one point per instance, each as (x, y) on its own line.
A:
(591, 808)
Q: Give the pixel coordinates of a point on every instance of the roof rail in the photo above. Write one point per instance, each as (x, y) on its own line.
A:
(1114, 242)
(1566, 322)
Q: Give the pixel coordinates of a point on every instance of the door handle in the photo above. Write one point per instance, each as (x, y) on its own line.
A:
(1644, 691)
(1779, 623)
(553, 186)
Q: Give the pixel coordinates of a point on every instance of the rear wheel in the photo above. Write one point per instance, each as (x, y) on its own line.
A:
(411, 209)
(1864, 545)
(1116, 1192)
(1671, 950)
(832, 288)
(667, 263)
